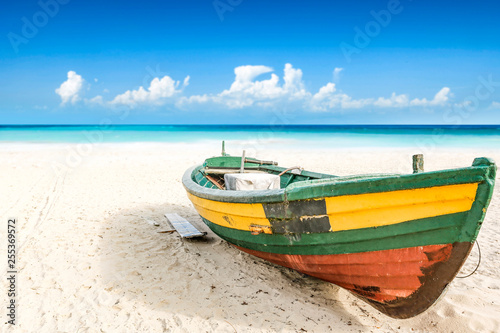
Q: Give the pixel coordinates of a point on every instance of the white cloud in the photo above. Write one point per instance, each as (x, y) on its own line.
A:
(294, 86)
(393, 101)
(327, 98)
(439, 99)
(336, 74)
(247, 90)
(244, 91)
(495, 105)
(246, 74)
(463, 104)
(158, 92)
(96, 100)
(70, 90)
(325, 91)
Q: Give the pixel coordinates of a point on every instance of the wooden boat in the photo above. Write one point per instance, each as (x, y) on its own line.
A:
(396, 241)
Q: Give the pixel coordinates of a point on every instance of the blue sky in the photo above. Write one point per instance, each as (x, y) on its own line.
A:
(242, 61)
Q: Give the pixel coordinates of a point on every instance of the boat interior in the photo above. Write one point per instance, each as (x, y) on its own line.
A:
(211, 173)
(214, 177)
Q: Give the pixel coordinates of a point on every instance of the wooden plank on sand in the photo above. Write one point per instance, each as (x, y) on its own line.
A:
(183, 227)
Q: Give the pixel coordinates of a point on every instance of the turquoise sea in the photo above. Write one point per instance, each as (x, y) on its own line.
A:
(331, 136)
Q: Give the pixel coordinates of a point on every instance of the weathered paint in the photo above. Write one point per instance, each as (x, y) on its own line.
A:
(347, 212)
(394, 240)
(299, 216)
(231, 215)
(321, 185)
(429, 231)
(401, 282)
(382, 271)
(385, 208)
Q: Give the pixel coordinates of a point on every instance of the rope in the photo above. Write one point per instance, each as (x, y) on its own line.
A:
(290, 169)
(478, 263)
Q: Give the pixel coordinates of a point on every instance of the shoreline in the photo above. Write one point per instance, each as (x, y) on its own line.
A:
(211, 143)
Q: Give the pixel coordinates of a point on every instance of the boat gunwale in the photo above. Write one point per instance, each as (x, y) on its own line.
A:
(481, 170)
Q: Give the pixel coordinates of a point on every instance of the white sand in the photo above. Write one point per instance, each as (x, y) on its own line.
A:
(89, 260)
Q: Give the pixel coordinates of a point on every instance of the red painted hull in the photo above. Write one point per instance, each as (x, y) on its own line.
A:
(389, 279)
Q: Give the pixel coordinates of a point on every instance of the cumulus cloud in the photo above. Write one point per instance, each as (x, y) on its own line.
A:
(328, 98)
(158, 92)
(246, 74)
(439, 99)
(248, 89)
(70, 90)
(403, 100)
(393, 101)
(96, 100)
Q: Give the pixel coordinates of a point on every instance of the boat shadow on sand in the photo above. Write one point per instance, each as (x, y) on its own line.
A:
(206, 281)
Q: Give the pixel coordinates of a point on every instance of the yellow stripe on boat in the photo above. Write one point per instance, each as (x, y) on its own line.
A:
(230, 215)
(386, 208)
(350, 212)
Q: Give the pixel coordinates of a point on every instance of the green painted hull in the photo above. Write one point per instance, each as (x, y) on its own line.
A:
(436, 230)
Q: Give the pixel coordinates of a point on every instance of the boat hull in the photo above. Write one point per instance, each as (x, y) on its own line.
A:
(396, 242)
(398, 282)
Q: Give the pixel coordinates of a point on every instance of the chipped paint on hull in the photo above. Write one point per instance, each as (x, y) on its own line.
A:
(388, 279)
(396, 241)
(340, 213)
